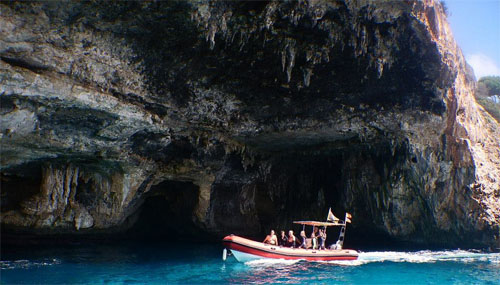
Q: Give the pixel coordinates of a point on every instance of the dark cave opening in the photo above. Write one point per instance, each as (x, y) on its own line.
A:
(303, 186)
(18, 184)
(167, 213)
(300, 187)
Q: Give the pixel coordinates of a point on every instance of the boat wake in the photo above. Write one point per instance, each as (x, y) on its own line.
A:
(424, 256)
(271, 262)
(27, 264)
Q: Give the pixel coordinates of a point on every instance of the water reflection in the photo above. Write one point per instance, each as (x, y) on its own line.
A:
(290, 272)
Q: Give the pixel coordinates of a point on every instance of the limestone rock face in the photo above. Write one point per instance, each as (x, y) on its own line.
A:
(237, 117)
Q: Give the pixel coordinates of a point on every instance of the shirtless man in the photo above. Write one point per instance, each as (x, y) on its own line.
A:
(322, 238)
(303, 236)
(292, 240)
(314, 238)
(271, 238)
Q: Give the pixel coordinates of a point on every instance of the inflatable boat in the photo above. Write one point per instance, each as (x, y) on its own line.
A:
(247, 250)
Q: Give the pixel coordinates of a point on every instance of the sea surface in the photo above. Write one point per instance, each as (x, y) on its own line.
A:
(174, 262)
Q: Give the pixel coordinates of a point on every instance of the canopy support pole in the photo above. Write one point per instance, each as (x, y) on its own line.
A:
(341, 236)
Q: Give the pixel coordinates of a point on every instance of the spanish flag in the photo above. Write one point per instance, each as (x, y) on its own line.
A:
(348, 218)
(331, 217)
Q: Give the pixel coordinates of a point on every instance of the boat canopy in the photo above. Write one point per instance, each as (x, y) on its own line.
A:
(318, 224)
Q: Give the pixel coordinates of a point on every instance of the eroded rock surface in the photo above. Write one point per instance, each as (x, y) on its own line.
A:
(236, 117)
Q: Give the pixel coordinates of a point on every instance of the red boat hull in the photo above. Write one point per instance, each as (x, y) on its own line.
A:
(244, 249)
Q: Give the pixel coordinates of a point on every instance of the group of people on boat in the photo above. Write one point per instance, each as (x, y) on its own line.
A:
(317, 239)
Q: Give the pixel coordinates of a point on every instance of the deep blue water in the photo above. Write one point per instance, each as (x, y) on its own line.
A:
(177, 263)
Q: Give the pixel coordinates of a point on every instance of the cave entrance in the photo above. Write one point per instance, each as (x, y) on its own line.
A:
(356, 180)
(300, 187)
(18, 184)
(167, 212)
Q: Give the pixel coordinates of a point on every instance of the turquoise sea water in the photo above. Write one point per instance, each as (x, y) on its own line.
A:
(159, 263)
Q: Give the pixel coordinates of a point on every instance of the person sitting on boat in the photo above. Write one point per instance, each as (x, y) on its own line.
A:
(292, 240)
(314, 238)
(322, 238)
(283, 240)
(271, 238)
(304, 239)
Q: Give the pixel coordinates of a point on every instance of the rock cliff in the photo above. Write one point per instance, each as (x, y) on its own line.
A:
(223, 117)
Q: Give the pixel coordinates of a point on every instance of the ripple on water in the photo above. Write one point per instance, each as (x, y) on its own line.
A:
(27, 264)
(156, 264)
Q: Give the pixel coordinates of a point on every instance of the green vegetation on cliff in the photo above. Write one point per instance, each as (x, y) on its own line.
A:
(486, 87)
(491, 83)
